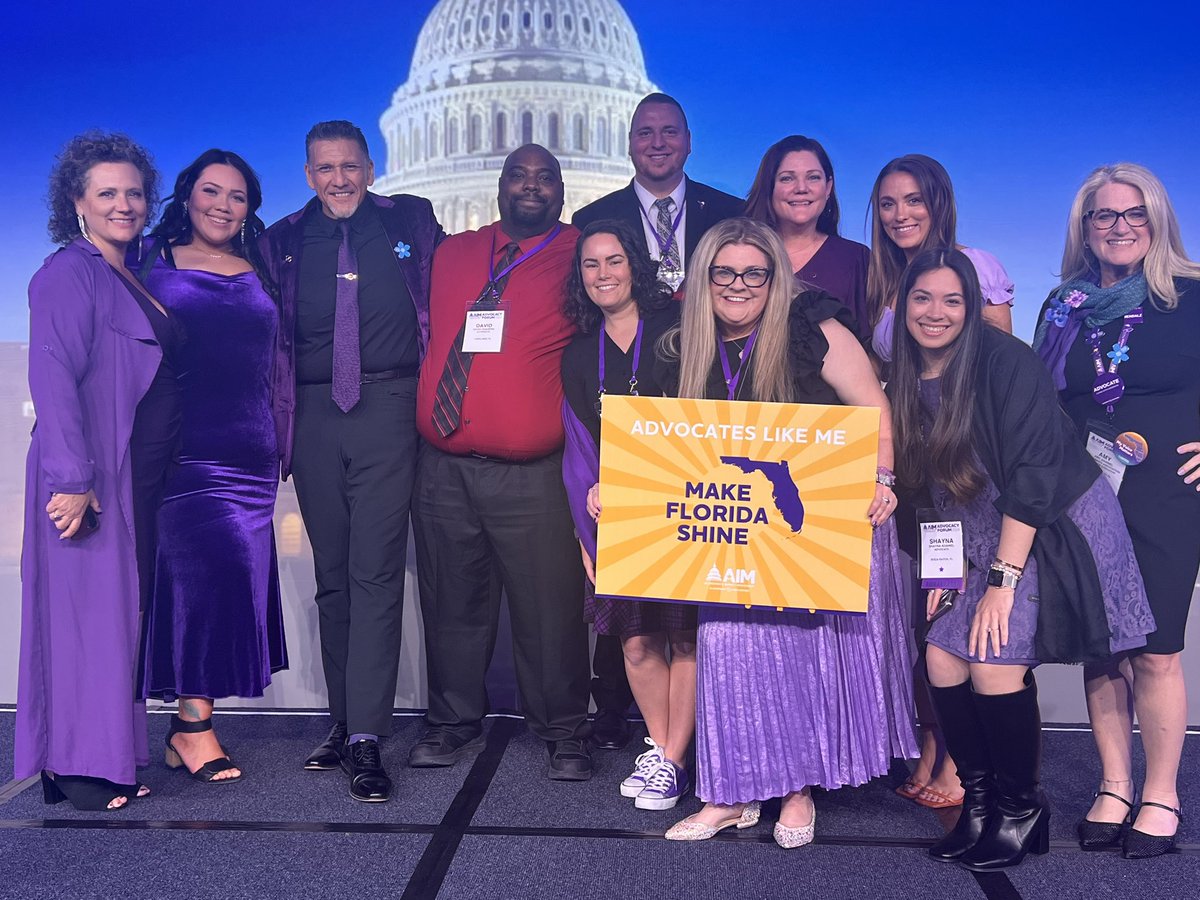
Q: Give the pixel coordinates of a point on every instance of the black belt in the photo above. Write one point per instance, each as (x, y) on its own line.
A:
(373, 377)
(388, 375)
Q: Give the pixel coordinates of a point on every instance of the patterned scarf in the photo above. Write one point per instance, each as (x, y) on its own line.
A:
(1077, 303)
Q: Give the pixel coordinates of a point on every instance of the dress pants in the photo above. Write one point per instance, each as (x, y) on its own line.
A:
(354, 480)
(475, 516)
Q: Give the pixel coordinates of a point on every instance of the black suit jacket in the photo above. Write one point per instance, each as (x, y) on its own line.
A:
(706, 206)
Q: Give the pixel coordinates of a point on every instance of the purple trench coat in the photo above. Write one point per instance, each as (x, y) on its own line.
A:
(92, 356)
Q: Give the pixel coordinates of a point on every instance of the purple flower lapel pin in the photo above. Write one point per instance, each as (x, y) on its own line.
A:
(403, 250)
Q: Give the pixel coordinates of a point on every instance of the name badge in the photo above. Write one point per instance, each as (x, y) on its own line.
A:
(484, 330)
(943, 562)
(1100, 446)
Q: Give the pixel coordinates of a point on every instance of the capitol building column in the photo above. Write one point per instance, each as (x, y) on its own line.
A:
(490, 75)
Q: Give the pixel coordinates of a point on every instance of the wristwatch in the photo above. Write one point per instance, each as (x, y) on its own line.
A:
(1002, 578)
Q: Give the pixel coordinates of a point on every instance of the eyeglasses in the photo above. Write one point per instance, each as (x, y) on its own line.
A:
(1104, 219)
(723, 276)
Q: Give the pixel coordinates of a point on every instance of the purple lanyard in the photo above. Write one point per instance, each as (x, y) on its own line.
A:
(731, 379)
(637, 355)
(496, 276)
(1109, 387)
(664, 247)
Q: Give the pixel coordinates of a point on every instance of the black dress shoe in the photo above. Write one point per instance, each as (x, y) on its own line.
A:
(443, 748)
(1140, 845)
(368, 781)
(610, 730)
(569, 760)
(328, 754)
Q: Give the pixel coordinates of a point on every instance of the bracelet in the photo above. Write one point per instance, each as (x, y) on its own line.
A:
(885, 476)
(998, 563)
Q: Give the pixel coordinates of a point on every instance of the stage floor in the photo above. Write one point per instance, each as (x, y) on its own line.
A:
(497, 827)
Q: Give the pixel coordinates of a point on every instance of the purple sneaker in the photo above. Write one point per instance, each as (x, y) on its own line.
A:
(664, 787)
(643, 768)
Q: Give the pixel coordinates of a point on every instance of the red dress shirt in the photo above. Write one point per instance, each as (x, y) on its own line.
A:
(512, 408)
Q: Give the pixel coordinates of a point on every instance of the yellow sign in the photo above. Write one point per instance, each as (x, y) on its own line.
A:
(720, 501)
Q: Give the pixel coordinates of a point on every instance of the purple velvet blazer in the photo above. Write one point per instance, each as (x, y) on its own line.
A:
(414, 233)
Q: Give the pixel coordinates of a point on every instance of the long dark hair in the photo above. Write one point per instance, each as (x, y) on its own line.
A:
(175, 227)
(649, 293)
(758, 200)
(888, 260)
(947, 454)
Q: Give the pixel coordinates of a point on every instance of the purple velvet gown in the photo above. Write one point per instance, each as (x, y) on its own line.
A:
(214, 627)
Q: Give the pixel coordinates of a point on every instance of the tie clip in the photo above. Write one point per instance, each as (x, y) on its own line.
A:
(349, 276)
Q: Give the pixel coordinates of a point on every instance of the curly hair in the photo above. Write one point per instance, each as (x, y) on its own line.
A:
(175, 226)
(649, 293)
(69, 177)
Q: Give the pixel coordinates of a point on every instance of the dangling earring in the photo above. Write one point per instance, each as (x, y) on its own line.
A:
(243, 234)
(139, 248)
(82, 227)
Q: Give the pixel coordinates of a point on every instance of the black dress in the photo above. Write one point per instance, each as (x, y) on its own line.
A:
(154, 439)
(1161, 403)
(581, 385)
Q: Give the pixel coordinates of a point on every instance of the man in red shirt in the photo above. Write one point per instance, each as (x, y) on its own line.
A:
(489, 494)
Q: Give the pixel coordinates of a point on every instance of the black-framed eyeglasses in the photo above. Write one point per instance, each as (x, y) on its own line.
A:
(1104, 219)
(754, 277)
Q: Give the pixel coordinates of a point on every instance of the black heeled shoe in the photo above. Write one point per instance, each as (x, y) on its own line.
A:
(1139, 845)
(1103, 835)
(966, 744)
(207, 772)
(85, 793)
(1019, 823)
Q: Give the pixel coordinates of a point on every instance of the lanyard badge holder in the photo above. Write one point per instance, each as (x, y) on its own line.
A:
(1113, 452)
(943, 558)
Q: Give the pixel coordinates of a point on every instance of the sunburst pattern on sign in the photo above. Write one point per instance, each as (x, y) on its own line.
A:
(826, 566)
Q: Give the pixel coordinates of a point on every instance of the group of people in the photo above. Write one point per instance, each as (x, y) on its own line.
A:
(394, 370)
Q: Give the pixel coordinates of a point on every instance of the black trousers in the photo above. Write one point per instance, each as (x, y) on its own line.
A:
(354, 480)
(473, 517)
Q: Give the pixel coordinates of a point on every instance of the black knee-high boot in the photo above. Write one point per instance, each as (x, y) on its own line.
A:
(967, 745)
(1020, 820)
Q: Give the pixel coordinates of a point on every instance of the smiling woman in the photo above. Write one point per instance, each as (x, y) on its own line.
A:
(103, 385)
(912, 209)
(215, 584)
(794, 193)
(770, 729)
(1053, 577)
(1130, 287)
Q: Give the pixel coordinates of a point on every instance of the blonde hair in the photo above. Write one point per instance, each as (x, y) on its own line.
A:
(694, 341)
(1166, 260)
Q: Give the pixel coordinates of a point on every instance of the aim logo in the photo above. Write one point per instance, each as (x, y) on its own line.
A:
(743, 578)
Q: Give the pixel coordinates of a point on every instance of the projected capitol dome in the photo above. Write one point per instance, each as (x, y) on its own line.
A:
(490, 75)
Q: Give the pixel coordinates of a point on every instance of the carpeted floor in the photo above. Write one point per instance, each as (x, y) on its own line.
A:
(496, 827)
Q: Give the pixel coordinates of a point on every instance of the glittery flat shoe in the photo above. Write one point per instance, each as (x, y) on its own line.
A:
(789, 838)
(691, 830)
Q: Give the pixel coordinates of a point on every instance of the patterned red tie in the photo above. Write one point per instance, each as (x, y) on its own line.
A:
(447, 402)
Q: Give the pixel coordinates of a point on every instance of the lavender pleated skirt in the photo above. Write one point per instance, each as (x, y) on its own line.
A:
(791, 699)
